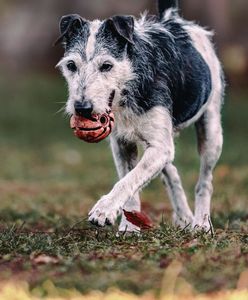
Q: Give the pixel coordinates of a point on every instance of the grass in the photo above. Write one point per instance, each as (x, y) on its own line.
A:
(49, 180)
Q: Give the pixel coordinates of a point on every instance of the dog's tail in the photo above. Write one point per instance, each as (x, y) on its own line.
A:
(166, 4)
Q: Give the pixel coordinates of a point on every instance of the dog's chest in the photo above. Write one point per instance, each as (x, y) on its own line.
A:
(127, 126)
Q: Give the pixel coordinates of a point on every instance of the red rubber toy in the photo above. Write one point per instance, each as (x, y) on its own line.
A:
(92, 130)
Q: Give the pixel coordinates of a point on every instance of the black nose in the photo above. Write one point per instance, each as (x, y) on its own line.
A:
(83, 109)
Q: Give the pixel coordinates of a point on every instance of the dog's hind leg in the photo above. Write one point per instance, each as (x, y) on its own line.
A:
(182, 215)
(125, 156)
(210, 139)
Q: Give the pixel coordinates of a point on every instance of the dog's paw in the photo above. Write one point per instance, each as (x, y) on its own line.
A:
(104, 212)
(203, 224)
(127, 227)
(182, 222)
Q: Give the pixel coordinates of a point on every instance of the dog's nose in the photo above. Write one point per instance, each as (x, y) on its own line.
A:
(83, 109)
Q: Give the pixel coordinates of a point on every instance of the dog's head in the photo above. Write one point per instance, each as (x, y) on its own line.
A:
(97, 62)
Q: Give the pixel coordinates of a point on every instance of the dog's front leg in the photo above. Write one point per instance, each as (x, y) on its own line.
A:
(125, 156)
(156, 134)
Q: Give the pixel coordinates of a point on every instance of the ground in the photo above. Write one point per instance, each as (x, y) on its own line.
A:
(49, 180)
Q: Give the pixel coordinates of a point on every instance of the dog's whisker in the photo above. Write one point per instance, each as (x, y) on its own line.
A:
(62, 109)
(62, 102)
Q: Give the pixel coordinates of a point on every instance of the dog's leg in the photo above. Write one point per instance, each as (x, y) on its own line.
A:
(125, 157)
(155, 131)
(182, 215)
(210, 139)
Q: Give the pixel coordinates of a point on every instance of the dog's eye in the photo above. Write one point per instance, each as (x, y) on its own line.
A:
(71, 66)
(106, 67)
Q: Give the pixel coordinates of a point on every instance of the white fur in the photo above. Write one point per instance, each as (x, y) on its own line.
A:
(168, 14)
(91, 43)
(210, 149)
(140, 28)
(143, 27)
(73, 79)
(100, 85)
(182, 215)
(126, 157)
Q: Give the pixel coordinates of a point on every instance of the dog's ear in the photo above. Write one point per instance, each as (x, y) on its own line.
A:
(123, 26)
(69, 25)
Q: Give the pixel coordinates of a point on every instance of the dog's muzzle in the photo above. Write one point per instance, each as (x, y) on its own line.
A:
(92, 128)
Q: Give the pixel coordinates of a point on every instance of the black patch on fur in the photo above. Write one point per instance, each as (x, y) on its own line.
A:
(169, 72)
(70, 27)
(123, 26)
(78, 42)
(108, 39)
(74, 33)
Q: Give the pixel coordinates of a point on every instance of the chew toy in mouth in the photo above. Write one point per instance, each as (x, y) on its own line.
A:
(92, 130)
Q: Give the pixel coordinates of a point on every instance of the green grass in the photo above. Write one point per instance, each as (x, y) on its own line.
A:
(49, 180)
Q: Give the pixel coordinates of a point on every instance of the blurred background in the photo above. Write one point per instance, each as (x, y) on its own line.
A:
(41, 161)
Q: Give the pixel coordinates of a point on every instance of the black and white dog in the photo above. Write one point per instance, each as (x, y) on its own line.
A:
(161, 74)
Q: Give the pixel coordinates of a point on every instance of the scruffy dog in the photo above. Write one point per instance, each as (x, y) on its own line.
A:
(158, 74)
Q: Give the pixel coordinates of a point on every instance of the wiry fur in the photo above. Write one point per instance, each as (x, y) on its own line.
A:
(165, 76)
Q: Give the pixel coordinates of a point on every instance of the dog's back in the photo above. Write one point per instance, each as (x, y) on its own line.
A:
(179, 65)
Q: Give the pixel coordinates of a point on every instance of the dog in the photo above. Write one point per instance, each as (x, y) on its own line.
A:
(158, 74)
